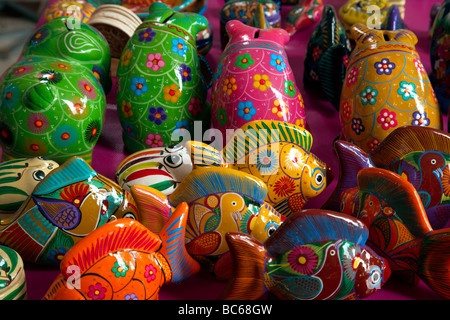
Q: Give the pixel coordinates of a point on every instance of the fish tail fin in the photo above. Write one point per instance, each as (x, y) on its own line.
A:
(248, 257)
(181, 264)
(351, 160)
(153, 206)
(434, 262)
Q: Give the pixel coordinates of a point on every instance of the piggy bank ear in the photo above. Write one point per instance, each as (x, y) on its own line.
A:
(278, 35)
(238, 31)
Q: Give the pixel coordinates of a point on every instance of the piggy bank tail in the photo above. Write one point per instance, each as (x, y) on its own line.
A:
(248, 256)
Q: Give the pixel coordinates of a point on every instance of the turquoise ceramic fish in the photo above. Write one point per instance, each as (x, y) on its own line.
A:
(313, 255)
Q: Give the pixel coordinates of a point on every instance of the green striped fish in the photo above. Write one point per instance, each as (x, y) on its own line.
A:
(12, 275)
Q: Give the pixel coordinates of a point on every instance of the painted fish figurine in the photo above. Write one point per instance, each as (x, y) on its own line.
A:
(13, 285)
(399, 229)
(421, 155)
(18, 178)
(314, 255)
(123, 260)
(220, 200)
(68, 204)
(304, 14)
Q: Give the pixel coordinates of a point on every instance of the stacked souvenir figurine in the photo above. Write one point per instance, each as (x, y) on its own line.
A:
(236, 206)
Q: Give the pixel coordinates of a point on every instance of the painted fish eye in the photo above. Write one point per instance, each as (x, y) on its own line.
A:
(319, 178)
(38, 175)
(129, 215)
(370, 203)
(173, 148)
(173, 161)
(233, 203)
(271, 227)
(375, 277)
(433, 161)
(332, 252)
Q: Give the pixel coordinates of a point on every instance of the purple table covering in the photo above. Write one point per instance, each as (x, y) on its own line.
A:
(323, 120)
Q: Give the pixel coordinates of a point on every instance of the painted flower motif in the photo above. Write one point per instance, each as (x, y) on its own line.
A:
(6, 134)
(172, 93)
(243, 61)
(373, 144)
(129, 129)
(98, 74)
(93, 131)
(316, 53)
(179, 47)
(22, 70)
(64, 136)
(157, 115)
(195, 106)
(181, 128)
(345, 60)
(131, 296)
(261, 82)
(32, 145)
(368, 96)
(37, 123)
(267, 162)
(284, 186)
(138, 86)
(222, 116)
(154, 140)
(419, 66)
(31, 60)
(155, 61)
(314, 75)
(61, 66)
(446, 180)
(407, 90)
(346, 110)
(97, 291)
(126, 109)
(384, 66)
(289, 88)
(126, 57)
(300, 123)
(280, 108)
(185, 72)
(49, 76)
(147, 35)
(120, 269)
(277, 61)
(229, 85)
(10, 96)
(352, 76)
(420, 119)
(87, 89)
(387, 119)
(303, 259)
(351, 261)
(357, 125)
(246, 110)
(56, 255)
(39, 36)
(150, 273)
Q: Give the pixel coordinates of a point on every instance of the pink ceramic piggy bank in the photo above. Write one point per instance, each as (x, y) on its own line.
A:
(254, 80)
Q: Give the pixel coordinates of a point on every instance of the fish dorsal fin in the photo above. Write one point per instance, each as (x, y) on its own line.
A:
(117, 235)
(72, 171)
(399, 194)
(204, 155)
(261, 133)
(205, 181)
(313, 225)
(409, 139)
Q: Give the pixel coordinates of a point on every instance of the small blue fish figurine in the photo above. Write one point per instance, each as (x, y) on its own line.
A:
(314, 255)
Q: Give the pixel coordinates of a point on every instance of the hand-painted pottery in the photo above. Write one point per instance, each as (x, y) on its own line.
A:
(313, 255)
(53, 98)
(421, 155)
(304, 14)
(79, 9)
(247, 12)
(13, 284)
(385, 87)
(160, 89)
(220, 200)
(362, 12)
(399, 229)
(254, 81)
(440, 66)
(68, 204)
(327, 56)
(123, 260)
(18, 178)
(393, 20)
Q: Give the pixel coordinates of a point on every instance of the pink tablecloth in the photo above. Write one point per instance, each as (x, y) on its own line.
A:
(324, 124)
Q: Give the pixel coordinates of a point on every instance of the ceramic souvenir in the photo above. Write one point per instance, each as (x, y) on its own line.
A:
(304, 14)
(393, 20)
(69, 203)
(313, 255)
(18, 178)
(248, 12)
(385, 87)
(79, 9)
(399, 229)
(419, 154)
(220, 200)
(327, 53)
(254, 81)
(160, 88)
(362, 12)
(13, 285)
(439, 56)
(53, 98)
(123, 260)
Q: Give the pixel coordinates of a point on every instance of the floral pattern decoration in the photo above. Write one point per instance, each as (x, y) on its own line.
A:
(368, 95)
(155, 61)
(246, 110)
(420, 119)
(157, 115)
(387, 119)
(243, 61)
(261, 82)
(384, 66)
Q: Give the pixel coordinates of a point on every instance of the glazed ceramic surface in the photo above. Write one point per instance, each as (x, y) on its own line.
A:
(254, 81)
(68, 204)
(53, 98)
(304, 14)
(160, 89)
(13, 284)
(440, 42)
(18, 178)
(123, 260)
(313, 255)
(82, 10)
(362, 11)
(385, 87)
